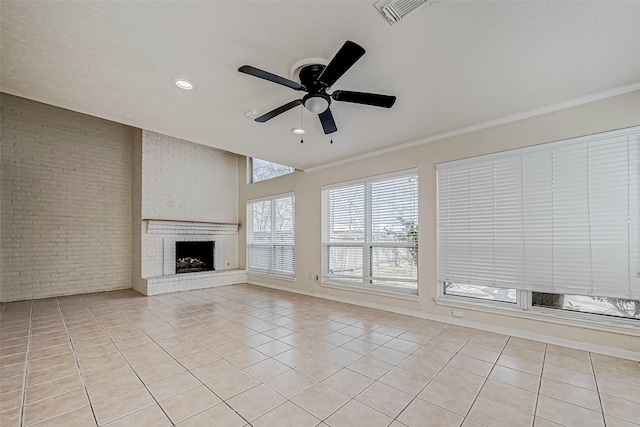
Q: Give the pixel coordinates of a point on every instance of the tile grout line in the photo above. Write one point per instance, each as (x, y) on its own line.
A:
(595, 380)
(26, 367)
(535, 409)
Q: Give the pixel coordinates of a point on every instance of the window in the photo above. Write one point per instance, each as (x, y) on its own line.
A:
(370, 233)
(615, 307)
(263, 170)
(271, 235)
(558, 222)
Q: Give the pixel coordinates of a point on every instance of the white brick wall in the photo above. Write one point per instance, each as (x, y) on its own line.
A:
(66, 202)
(189, 282)
(184, 180)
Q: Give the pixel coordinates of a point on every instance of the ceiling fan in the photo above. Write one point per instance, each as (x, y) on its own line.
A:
(316, 79)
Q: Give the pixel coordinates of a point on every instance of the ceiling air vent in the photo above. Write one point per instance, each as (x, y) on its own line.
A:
(395, 10)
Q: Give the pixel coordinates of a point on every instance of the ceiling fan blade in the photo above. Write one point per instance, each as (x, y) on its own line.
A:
(374, 99)
(348, 54)
(281, 109)
(256, 72)
(326, 118)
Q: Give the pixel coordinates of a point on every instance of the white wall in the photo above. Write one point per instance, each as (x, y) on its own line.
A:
(66, 202)
(608, 114)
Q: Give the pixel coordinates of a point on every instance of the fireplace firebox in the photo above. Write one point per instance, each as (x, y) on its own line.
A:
(194, 257)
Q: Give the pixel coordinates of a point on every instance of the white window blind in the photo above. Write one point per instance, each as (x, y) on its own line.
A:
(558, 218)
(271, 235)
(370, 232)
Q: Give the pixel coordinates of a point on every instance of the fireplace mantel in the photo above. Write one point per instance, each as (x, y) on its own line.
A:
(169, 226)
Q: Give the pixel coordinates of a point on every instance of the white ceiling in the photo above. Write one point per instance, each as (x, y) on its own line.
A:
(451, 64)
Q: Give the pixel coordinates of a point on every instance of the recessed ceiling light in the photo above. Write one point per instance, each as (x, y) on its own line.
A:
(297, 131)
(184, 84)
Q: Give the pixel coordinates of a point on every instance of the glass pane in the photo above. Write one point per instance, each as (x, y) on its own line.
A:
(597, 305)
(346, 214)
(345, 261)
(284, 220)
(480, 292)
(261, 222)
(263, 170)
(400, 263)
(394, 210)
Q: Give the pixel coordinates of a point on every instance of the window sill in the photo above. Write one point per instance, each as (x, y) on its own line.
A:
(581, 320)
(381, 292)
(283, 277)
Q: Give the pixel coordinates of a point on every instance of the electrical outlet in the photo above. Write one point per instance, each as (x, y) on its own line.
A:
(457, 313)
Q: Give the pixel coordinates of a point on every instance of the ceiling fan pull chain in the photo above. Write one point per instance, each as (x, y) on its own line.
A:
(301, 124)
(331, 142)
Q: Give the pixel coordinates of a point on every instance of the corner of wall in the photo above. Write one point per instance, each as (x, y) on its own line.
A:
(136, 212)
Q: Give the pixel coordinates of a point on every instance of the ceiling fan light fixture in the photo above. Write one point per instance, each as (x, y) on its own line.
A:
(316, 104)
(184, 84)
(297, 131)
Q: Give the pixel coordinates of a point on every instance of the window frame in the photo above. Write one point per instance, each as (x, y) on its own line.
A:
(364, 284)
(273, 244)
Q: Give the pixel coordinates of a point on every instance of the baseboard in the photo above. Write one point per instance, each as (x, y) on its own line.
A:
(66, 294)
(594, 348)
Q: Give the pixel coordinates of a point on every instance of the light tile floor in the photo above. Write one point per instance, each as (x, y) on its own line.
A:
(245, 355)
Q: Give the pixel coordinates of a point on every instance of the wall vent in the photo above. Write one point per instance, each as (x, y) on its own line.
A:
(395, 10)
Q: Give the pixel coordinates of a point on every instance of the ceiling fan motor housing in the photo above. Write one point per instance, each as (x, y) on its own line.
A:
(309, 78)
(316, 100)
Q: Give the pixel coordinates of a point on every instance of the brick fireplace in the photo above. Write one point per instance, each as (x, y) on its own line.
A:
(185, 199)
